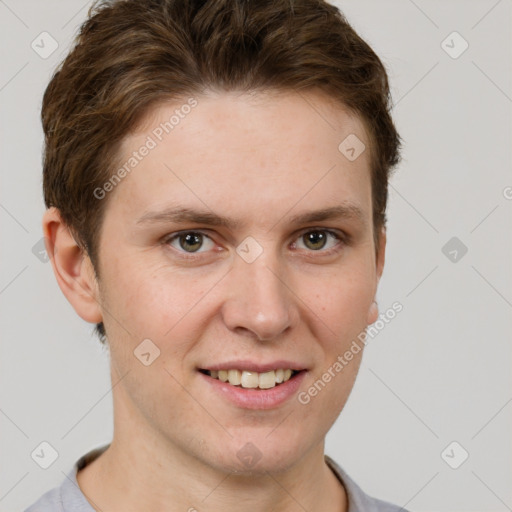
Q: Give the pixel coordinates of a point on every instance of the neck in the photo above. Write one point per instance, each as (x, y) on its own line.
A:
(145, 471)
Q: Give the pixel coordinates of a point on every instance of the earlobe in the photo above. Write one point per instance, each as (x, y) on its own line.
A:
(381, 253)
(72, 267)
(373, 313)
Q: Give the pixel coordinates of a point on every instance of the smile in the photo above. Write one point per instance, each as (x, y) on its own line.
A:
(250, 379)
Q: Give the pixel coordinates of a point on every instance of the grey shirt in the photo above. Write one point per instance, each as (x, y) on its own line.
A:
(69, 498)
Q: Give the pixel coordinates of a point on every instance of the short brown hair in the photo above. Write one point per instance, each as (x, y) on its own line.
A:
(131, 54)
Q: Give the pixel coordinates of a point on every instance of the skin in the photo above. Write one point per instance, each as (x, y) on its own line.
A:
(260, 159)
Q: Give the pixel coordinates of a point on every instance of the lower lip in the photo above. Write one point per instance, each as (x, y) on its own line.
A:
(248, 398)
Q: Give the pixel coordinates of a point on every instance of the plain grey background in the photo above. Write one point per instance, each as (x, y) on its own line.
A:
(439, 373)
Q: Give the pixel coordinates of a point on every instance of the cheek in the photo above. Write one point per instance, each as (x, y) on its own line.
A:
(344, 309)
(153, 298)
(344, 301)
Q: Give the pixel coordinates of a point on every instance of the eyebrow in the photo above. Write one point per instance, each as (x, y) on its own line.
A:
(182, 215)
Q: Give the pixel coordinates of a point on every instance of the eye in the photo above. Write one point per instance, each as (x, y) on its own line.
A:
(191, 241)
(318, 239)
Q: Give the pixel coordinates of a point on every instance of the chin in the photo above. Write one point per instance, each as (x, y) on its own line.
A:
(259, 454)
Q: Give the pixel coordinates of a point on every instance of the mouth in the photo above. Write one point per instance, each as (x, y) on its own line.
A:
(252, 379)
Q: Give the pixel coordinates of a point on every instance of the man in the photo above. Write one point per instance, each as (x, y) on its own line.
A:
(216, 181)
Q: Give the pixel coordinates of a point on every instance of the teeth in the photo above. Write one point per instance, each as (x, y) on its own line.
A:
(267, 380)
(235, 377)
(252, 380)
(249, 380)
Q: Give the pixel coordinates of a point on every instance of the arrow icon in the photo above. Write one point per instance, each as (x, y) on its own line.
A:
(44, 45)
(454, 455)
(351, 147)
(454, 45)
(44, 455)
(249, 249)
(454, 249)
(146, 352)
(249, 455)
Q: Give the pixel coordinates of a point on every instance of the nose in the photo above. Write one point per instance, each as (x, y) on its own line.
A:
(260, 303)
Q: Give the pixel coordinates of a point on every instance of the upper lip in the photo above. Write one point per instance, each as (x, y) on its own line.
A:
(251, 366)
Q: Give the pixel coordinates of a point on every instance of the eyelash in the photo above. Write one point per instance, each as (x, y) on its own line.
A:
(343, 239)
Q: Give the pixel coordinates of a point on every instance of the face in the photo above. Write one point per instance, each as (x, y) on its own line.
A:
(242, 242)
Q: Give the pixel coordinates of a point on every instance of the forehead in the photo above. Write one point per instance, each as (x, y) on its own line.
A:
(299, 117)
(265, 150)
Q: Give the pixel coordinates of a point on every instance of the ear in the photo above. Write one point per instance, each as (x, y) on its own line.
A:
(72, 267)
(380, 256)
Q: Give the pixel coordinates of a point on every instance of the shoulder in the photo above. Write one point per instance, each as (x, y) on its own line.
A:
(358, 500)
(67, 497)
(51, 501)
